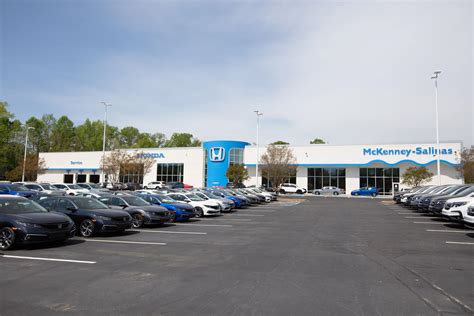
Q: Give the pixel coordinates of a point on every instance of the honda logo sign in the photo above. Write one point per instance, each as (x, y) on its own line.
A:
(217, 154)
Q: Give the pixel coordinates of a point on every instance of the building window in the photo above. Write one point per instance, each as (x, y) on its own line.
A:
(268, 184)
(324, 177)
(131, 173)
(382, 178)
(170, 172)
(236, 156)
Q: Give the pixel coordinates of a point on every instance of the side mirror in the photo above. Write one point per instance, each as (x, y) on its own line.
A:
(123, 205)
(71, 208)
(187, 200)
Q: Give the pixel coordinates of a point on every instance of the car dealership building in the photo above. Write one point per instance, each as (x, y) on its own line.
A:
(347, 167)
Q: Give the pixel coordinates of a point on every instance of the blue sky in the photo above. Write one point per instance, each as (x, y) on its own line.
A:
(345, 71)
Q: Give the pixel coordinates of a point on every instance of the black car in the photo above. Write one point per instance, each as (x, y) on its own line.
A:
(23, 221)
(143, 213)
(90, 215)
(437, 204)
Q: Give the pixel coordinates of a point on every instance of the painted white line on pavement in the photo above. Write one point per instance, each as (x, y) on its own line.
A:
(407, 213)
(48, 259)
(227, 219)
(421, 216)
(247, 215)
(127, 242)
(449, 231)
(194, 224)
(257, 210)
(460, 243)
(167, 232)
(435, 223)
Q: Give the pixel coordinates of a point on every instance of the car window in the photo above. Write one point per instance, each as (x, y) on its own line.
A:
(33, 187)
(3, 188)
(64, 204)
(20, 206)
(105, 200)
(116, 201)
(177, 197)
(60, 186)
(50, 204)
(89, 203)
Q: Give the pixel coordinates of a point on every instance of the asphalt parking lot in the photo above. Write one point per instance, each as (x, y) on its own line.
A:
(298, 256)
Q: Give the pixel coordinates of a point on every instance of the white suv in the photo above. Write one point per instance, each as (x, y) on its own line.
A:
(155, 185)
(468, 218)
(456, 208)
(201, 206)
(291, 188)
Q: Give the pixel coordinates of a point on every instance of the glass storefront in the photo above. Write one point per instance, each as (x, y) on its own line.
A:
(382, 178)
(268, 184)
(324, 177)
(170, 172)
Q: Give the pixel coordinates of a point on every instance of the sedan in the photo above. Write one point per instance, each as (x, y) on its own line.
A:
(368, 191)
(16, 189)
(23, 221)
(183, 211)
(91, 216)
(328, 191)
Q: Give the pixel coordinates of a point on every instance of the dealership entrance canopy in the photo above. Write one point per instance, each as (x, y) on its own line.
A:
(347, 167)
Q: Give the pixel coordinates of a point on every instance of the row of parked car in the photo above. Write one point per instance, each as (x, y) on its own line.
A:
(455, 202)
(29, 215)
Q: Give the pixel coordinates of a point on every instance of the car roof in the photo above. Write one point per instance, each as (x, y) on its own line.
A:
(12, 197)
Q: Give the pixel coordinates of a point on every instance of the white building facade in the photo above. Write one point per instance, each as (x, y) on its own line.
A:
(347, 167)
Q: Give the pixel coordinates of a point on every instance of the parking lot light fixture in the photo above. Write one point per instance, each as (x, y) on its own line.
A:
(104, 140)
(438, 163)
(24, 156)
(256, 163)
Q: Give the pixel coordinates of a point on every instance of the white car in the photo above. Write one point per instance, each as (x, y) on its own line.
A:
(44, 187)
(456, 208)
(201, 206)
(291, 188)
(71, 189)
(225, 204)
(155, 185)
(469, 217)
(268, 196)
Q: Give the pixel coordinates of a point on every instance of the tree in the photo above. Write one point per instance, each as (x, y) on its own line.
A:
(89, 136)
(278, 163)
(280, 142)
(11, 140)
(63, 135)
(415, 176)
(120, 162)
(33, 167)
(129, 137)
(237, 174)
(182, 140)
(317, 141)
(466, 166)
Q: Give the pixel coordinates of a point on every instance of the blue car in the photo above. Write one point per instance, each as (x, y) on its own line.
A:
(183, 211)
(239, 203)
(17, 189)
(367, 191)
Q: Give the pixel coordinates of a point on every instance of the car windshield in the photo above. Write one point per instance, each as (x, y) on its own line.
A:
(13, 206)
(135, 201)
(74, 187)
(194, 197)
(48, 187)
(89, 204)
(93, 185)
(165, 199)
(18, 187)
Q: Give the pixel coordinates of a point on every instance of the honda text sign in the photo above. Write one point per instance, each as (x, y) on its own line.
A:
(217, 154)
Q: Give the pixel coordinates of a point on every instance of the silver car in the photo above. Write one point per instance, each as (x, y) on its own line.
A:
(328, 191)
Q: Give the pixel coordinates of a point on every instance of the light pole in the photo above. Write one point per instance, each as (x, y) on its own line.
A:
(103, 140)
(24, 157)
(438, 163)
(258, 113)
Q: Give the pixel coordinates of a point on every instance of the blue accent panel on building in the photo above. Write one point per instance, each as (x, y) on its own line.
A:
(217, 167)
(369, 163)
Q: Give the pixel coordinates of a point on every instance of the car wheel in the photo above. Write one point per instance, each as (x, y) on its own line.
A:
(71, 194)
(137, 221)
(336, 193)
(7, 238)
(356, 194)
(299, 192)
(145, 187)
(317, 193)
(282, 191)
(173, 218)
(374, 194)
(199, 212)
(86, 229)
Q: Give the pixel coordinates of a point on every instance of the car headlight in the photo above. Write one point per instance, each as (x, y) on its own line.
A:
(30, 225)
(458, 204)
(104, 218)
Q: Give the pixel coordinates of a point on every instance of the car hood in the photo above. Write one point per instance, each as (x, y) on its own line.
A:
(40, 217)
(149, 208)
(461, 199)
(105, 212)
(183, 206)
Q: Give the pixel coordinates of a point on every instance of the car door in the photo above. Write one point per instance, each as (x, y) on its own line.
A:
(49, 204)
(4, 189)
(117, 203)
(68, 208)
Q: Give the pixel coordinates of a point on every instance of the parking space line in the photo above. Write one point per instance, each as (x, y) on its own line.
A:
(227, 219)
(449, 231)
(167, 232)
(406, 213)
(194, 224)
(47, 259)
(421, 216)
(247, 215)
(460, 242)
(435, 223)
(257, 210)
(127, 242)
